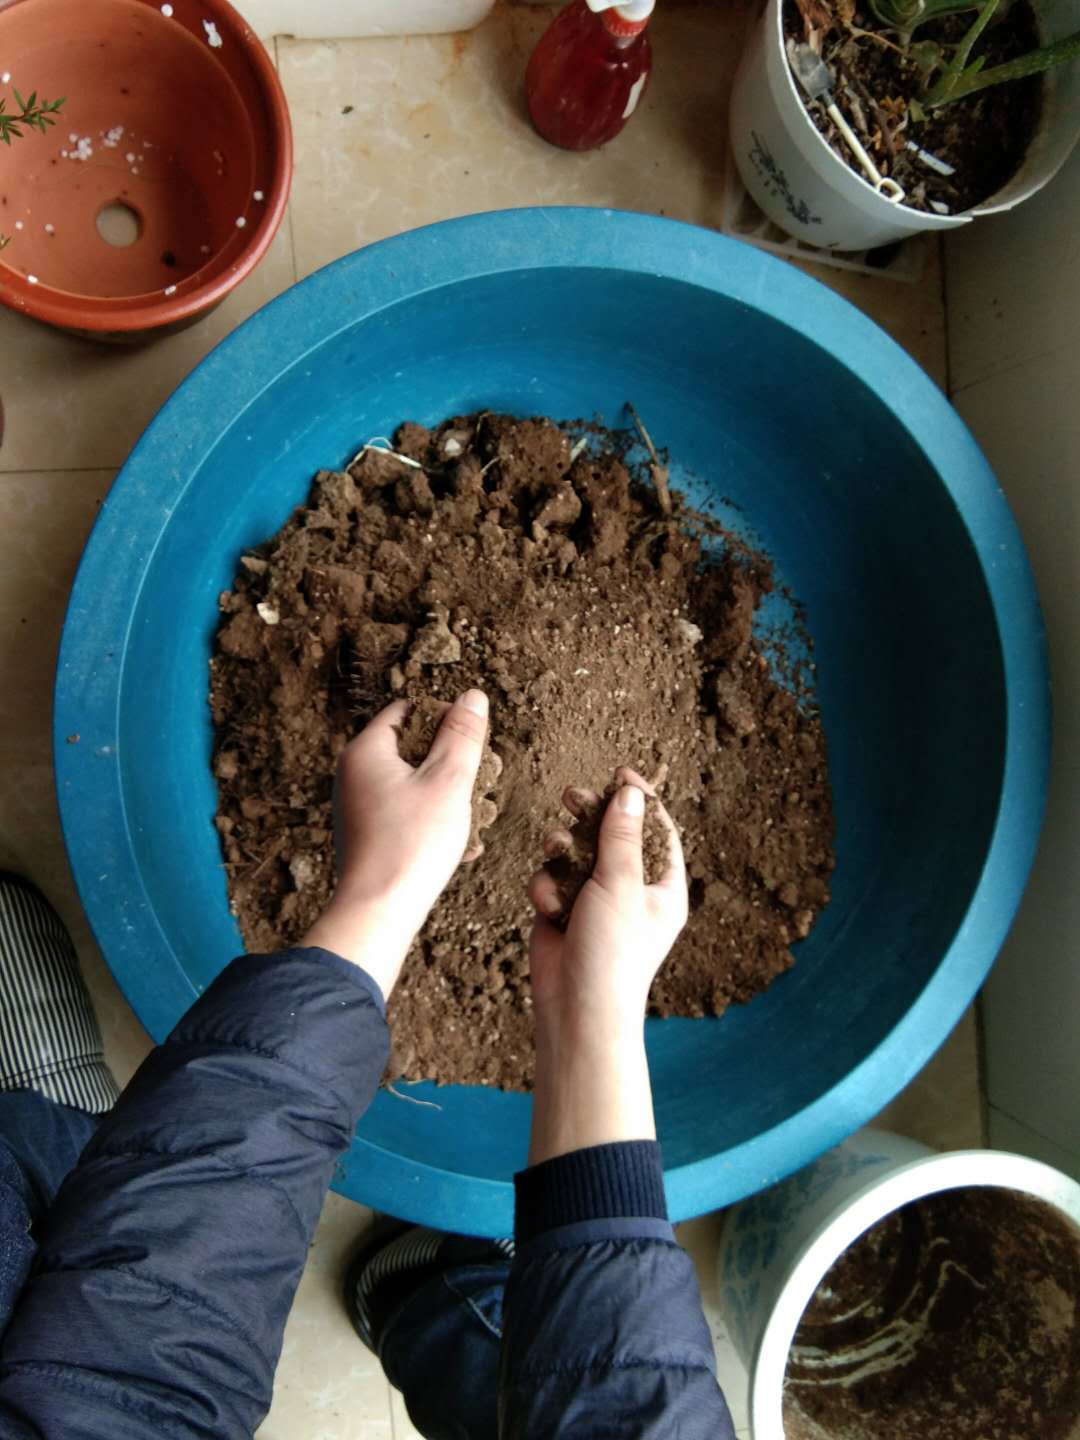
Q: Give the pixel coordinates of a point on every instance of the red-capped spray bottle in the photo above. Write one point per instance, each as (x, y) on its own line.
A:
(588, 71)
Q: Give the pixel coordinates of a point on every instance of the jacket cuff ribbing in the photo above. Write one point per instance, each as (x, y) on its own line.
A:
(602, 1182)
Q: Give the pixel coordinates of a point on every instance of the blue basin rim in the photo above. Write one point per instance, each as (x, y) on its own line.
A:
(281, 335)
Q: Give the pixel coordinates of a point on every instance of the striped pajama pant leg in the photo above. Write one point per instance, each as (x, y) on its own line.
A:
(49, 1036)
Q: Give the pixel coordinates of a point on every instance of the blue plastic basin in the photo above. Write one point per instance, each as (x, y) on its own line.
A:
(847, 463)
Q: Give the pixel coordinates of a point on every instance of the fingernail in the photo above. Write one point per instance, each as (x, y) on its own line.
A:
(550, 904)
(476, 701)
(631, 800)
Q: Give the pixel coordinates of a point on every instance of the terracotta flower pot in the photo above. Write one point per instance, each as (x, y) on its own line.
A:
(166, 175)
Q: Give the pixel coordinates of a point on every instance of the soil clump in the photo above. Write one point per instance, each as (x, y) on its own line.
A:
(572, 868)
(507, 557)
(415, 735)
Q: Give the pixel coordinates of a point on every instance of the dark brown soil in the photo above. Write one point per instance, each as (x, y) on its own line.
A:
(415, 735)
(561, 588)
(953, 1319)
(983, 137)
(572, 868)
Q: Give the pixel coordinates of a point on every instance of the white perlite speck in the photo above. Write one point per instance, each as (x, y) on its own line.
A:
(130, 157)
(84, 149)
(5, 78)
(18, 224)
(204, 249)
(241, 221)
(259, 195)
(50, 229)
(31, 279)
(267, 613)
(170, 289)
(112, 137)
(212, 34)
(166, 10)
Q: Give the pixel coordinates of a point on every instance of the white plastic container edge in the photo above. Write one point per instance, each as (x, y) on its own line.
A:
(818, 1213)
(354, 19)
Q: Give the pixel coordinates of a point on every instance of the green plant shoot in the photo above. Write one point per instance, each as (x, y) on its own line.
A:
(32, 115)
(905, 16)
(965, 79)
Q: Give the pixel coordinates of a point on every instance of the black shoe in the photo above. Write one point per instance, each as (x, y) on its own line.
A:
(395, 1259)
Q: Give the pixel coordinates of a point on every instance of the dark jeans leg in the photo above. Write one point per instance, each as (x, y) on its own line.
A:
(40, 1141)
(441, 1350)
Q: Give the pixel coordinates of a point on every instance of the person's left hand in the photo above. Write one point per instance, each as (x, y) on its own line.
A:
(400, 833)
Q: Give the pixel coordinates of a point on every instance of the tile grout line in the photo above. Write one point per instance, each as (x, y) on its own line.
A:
(943, 268)
(1027, 1125)
(1025, 359)
(288, 207)
(113, 469)
(982, 1075)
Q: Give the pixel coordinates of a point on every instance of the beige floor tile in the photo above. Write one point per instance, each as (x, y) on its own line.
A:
(73, 404)
(943, 1105)
(1012, 287)
(45, 519)
(437, 128)
(914, 315)
(328, 1386)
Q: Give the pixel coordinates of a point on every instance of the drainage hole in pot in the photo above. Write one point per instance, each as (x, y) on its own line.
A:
(954, 1318)
(118, 224)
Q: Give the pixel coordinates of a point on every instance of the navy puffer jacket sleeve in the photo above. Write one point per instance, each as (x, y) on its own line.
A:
(168, 1262)
(603, 1330)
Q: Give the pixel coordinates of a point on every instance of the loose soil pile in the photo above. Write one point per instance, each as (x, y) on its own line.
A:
(581, 605)
(572, 867)
(953, 1319)
(983, 137)
(415, 735)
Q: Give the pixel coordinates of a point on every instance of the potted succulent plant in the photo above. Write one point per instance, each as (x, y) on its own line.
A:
(164, 185)
(854, 127)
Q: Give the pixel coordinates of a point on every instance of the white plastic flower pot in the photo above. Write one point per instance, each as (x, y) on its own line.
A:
(803, 186)
(779, 1245)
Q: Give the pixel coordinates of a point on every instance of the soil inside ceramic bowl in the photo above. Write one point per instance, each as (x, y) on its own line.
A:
(955, 1318)
(579, 600)
(983, 138)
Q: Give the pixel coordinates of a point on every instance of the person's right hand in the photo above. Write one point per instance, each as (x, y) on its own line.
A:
(591, 984)
(620, 929)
